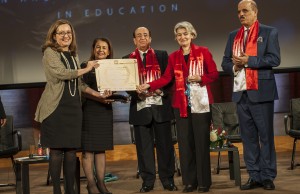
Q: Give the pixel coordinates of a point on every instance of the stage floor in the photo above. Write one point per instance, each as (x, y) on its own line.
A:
(122, 163)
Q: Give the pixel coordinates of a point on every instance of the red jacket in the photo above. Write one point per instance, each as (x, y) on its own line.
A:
(210, 74)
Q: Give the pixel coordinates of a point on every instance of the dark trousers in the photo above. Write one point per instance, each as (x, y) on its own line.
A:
(193, 141)
(256, 122)
(164, 150)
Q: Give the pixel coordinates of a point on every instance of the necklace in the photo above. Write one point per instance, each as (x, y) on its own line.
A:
(72, 80)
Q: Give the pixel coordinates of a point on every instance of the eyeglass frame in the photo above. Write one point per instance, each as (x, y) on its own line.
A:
(63, 33)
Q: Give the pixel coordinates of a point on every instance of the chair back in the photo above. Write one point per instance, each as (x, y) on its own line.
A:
(10, 140)
(295, 111)
(6, 133)
(224, 115)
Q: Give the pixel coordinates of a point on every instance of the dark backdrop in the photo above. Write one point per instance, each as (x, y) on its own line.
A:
(24, 24)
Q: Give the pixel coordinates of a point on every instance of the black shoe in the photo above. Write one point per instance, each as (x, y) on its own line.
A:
(105, 192)
(170, 187)
(268, 184)
(89, 191)
(251, 184)
(146, 189)
(203, 189)
(188, 188)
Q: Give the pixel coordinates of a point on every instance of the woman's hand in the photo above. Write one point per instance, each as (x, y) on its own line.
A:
(142, 88)
(97, 96)
(92, 64)
(157, 92)
(105, 94)
(89, 66)
(106, 101)
(194, 78)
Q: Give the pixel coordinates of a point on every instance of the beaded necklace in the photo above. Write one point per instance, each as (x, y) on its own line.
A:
(72, 80)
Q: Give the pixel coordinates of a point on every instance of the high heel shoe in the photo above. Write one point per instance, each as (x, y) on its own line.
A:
(89, 192)
(102, 188)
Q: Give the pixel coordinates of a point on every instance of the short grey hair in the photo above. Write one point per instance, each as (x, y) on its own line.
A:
(186, 25)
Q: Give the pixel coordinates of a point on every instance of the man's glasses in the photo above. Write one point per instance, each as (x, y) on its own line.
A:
(62, 34)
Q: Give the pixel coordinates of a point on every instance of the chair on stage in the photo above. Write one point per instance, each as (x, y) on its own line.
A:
(224, 115)
(174, 140)
(292, 126)
(10, 144)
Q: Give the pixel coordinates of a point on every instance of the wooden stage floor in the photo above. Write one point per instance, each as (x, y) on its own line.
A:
(122, 163)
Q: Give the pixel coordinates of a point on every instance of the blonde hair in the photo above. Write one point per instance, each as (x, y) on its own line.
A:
(186, 25)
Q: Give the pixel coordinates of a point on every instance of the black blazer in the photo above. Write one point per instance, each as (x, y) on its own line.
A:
(2, 112)
(160, 113)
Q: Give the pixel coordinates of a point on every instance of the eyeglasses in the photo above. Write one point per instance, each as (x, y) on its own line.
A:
(62, 34)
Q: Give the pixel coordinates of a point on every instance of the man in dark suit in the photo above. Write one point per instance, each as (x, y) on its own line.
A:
(251, 53)
(2, 114)
(151, 113)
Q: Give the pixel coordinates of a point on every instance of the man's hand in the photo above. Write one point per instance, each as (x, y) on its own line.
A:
(237, 68)
(241, 60)
(3, 122)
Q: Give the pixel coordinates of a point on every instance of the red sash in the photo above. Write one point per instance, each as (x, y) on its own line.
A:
(152, 70)
(182, 72)
(251, 50)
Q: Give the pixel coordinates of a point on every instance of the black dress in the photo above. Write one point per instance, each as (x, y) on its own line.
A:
(62, 128)
(97, 132)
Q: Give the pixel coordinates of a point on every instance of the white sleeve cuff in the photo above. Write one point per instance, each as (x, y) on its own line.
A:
(235, 73)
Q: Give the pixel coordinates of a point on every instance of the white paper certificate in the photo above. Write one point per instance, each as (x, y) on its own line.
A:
(117, 74)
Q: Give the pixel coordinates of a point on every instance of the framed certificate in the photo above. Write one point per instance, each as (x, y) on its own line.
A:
(117, 74)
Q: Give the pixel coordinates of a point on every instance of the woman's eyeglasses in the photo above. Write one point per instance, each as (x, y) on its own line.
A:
(62, 34)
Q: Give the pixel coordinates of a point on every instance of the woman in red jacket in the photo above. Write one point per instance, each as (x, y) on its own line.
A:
(194, 70)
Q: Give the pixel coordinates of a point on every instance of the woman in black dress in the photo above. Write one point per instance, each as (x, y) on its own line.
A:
(97, 132)
(59, 109)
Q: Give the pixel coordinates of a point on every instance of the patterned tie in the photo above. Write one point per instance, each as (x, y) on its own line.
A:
(144, 59)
